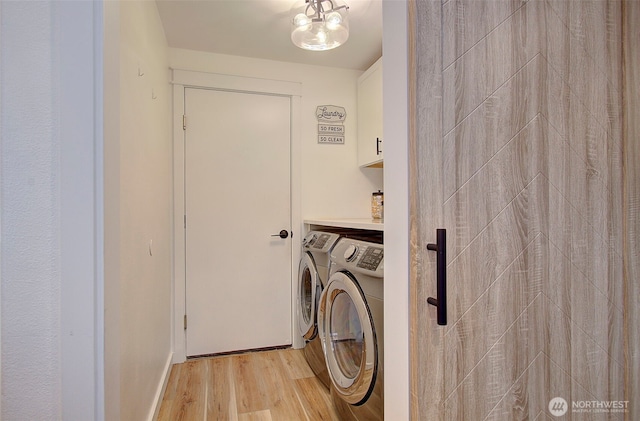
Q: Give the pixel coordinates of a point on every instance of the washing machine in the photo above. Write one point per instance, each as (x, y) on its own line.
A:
(350, 327)
(313, 273)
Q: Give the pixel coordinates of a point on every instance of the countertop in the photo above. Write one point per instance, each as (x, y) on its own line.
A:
(356, 223)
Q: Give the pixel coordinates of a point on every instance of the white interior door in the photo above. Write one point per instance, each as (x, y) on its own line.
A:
(237, 195)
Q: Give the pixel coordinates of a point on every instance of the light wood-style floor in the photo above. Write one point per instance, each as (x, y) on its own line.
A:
(268, 385)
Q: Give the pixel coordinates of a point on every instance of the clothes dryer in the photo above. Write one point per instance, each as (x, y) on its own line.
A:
(313, 274)
(350, 326)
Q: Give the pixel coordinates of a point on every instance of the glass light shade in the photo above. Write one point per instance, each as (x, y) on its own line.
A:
(319, 25)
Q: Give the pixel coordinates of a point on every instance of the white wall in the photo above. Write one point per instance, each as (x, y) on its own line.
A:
(333, 185)
(30, 232)
(138, 203)
(50, 246)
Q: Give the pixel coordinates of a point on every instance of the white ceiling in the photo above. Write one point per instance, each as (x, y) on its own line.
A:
(261, 29)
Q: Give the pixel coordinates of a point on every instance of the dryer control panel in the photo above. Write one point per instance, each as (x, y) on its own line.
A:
(371, 258)
(359, 256)
(320, 241)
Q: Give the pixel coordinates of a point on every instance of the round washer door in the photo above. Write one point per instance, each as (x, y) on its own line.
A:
(308, 295)
(348, 337)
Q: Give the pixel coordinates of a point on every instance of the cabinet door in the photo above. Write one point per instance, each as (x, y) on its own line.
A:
(370, 116)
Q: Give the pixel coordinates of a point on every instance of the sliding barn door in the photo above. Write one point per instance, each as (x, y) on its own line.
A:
(517, 151)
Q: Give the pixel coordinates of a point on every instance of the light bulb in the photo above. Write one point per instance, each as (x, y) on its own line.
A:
(334, 20)
(322, 36)
(301, 20)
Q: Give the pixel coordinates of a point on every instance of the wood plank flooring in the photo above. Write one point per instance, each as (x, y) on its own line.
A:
(267, 385)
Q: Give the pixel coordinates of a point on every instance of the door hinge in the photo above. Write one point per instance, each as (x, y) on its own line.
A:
(185, 222)
(184, 122)
(185, 322)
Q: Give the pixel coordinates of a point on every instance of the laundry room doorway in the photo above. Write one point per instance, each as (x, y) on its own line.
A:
(236, 201)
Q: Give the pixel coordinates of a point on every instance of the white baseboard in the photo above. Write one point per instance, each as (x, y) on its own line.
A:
(157, 400)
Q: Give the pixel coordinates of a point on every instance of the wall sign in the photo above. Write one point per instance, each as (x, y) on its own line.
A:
(331, 124)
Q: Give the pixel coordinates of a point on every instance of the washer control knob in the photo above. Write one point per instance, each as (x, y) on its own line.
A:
(351, 253)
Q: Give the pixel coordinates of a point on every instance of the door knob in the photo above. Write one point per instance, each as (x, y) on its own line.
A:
(282, 234)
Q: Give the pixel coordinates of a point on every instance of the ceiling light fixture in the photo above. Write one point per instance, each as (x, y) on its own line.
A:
(319, 25)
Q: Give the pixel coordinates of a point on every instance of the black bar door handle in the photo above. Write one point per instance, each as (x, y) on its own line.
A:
(440, 247)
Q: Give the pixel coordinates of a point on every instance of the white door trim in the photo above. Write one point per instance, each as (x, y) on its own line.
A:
(182, 79)
(235, 83)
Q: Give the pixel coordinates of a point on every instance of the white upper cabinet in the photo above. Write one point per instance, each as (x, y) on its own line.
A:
(370, 143)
